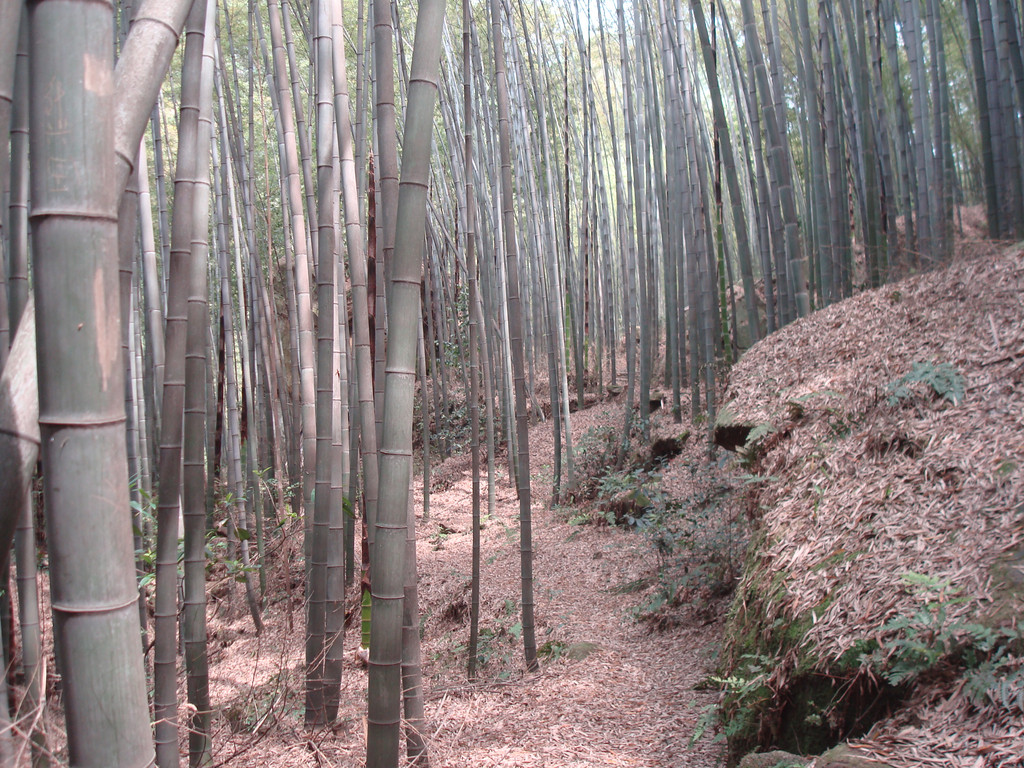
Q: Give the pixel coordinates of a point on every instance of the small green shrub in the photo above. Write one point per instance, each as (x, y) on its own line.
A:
(927, 642)
(744, 693)
(497, 641)
(998, 680)
(943, 379)
(553, 649)
(699, 542)
(593, 455)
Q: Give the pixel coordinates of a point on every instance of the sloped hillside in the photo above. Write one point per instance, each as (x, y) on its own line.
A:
(883, 598)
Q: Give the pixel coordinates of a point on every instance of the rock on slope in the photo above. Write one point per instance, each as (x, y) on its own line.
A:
(882, 598)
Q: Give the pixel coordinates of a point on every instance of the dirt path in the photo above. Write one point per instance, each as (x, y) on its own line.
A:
(629, 702)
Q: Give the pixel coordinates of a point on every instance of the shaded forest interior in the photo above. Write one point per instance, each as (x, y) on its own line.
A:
(266, 267)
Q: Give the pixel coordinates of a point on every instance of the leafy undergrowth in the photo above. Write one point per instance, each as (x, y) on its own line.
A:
(690, 512)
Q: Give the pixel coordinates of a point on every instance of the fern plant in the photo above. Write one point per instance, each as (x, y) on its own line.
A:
(996, 674)
(744, 692)
(943, 379)
(927, 640)
(752, 447)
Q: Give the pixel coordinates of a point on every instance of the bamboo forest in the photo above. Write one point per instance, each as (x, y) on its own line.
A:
(510, 383)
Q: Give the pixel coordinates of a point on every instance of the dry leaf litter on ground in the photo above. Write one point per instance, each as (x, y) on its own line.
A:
(868, 491)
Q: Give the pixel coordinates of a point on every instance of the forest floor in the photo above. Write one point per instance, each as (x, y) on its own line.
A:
(629, 701)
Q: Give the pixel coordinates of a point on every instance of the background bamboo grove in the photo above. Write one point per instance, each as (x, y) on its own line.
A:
(262, 236)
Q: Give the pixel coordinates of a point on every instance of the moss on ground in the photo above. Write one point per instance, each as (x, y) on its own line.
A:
(779, 692)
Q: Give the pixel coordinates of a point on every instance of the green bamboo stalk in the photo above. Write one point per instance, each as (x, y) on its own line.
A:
(839, 256)
(385, 694)
(301, 131)
(732, 177)
(195, 482)
(515, 340)
(796, 257)
(1010, 68)
(358, 276)
(474, 333)
(10, 16)
(984, 124)
(341, 449)
(813, 124)
(19, 451)
(173, 402)
(31, 634)
(141, 67)
(81, 407)
(291, 170)
(151, 283)
(316, 712)
(17, 289)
